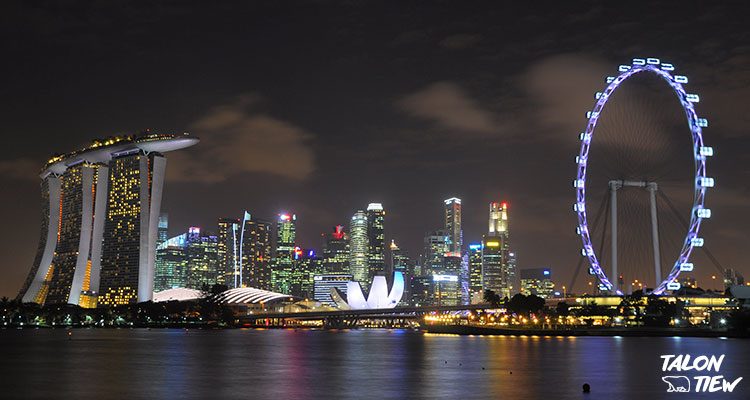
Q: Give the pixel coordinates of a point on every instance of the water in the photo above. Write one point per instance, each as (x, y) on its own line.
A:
(365, 364)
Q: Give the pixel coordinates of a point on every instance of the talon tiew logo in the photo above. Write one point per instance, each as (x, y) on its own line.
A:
(703, 383)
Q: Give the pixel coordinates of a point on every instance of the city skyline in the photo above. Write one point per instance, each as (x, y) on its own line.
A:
(407, 115)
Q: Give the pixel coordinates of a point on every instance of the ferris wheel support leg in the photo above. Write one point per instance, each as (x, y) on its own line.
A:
(652, 188)
(613, 186)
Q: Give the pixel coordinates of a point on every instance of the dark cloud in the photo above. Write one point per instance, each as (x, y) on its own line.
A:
(449, 106)
(461, 41)
(237, 139)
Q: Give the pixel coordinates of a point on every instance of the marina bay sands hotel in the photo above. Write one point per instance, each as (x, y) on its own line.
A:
(100, 211)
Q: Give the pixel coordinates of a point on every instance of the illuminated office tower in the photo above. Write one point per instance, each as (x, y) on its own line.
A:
(171, 269)
(537, 281)
(283, 264)
(306, 265)
(358, 248)
(453, 225)
(435, 249)
(100, 222)
(336, 252)
(475, 272)
(446, 290)
(255, 254)
(202, 259)
(420, 291)
(163, 230)
(376, 239)
(323, 284)
(400, 262)
(498, 263)
(226, 250)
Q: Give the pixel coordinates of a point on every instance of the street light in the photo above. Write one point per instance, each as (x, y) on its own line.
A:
(565, 295)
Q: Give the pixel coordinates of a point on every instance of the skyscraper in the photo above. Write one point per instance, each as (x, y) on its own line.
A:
(171, 264)
(498, 263)
(163, 229)
(255, 253)
(400, 262)
(358, 248)
(537, 281)
(100, 221)
(453, 225)
(435, 248)
(283, 264)
(202, 259)
(475, 272)
(227, 247)
(336, 252)
(376, 240)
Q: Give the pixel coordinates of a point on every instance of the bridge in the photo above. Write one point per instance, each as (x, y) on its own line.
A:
(341, 319)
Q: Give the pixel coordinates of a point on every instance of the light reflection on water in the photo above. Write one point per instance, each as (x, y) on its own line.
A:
(351, 364)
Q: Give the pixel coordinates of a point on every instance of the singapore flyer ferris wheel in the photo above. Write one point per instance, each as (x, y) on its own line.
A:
(665, 277)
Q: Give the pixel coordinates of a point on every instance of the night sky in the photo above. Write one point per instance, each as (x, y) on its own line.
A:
(320, 107)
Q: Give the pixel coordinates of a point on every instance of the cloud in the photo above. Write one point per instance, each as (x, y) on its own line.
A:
(460, 41)
(26, 169)
(237, 139)
(450, 107)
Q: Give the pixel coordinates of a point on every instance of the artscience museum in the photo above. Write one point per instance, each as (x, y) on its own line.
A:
(380, 296)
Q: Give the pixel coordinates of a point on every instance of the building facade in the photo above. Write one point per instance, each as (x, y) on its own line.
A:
(336, 252)
(498, 262)
(227, 238)
(376, 240)
(255, 253)
(285, 253)
(358, 248)
(100, 222)
(537, 281)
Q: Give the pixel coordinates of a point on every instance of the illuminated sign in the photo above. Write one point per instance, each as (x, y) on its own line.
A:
(492, 244)
(475, 246)
(444, 278)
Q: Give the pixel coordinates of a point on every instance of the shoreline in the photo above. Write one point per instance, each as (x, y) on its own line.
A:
(623, 332)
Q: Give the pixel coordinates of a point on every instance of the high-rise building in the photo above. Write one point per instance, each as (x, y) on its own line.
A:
(306, 265)
(420, 291)
(537, 281)
(163, 230)
(323, 284)
(336, 252)
(376, 240)
(453, 225)
(400, 262)
(171, 264)
(475, 272)
(202, 258)
(101, 206)
(227, 250)
(446, 290)
(358, 248)
(255, 253)
(498, 263)
(284, 257)
(435, 249)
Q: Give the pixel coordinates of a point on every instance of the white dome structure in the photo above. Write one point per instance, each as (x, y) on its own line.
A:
(245, 296)
(379, 296)
(177, 294)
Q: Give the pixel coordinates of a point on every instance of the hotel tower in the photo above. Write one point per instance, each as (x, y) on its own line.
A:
(99, 225)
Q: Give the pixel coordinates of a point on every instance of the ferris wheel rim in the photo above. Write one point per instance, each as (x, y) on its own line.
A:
(701, 181)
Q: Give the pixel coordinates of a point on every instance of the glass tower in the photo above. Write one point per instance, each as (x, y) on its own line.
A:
(358, 248)
(375, 239)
